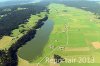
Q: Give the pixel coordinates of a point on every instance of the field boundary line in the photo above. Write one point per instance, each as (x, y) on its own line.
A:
(47, 55)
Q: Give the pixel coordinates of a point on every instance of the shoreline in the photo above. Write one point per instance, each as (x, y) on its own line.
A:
(9, 57)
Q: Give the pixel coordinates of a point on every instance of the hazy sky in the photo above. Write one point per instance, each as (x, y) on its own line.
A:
(16, 0)
(3, 0)
(33, 0)
(94, 0)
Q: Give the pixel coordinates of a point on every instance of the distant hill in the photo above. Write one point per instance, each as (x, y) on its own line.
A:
(16, 2)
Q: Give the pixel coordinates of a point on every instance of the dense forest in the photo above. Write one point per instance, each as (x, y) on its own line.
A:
(12, 16)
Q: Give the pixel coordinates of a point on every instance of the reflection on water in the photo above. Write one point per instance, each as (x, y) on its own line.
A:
(34, 48)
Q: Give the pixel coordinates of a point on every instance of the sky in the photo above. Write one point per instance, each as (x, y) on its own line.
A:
(94, 0)
(3, 0)
(13, 0)
(69, 0)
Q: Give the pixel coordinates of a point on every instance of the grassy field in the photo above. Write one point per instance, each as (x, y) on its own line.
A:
(73, 35)
(5, 42)
(16, 34)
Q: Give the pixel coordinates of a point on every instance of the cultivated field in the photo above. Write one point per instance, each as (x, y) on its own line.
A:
(75, 37)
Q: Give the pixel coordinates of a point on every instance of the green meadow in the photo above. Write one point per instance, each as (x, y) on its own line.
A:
(7, 41)
(75, 30)
(75, 35)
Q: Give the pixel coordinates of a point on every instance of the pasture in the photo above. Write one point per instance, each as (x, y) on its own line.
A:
(73, 34)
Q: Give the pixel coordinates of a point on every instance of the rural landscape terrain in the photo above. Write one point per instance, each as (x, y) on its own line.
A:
(50, 33)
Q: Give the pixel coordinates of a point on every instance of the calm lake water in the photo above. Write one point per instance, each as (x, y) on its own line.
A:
(34, 48)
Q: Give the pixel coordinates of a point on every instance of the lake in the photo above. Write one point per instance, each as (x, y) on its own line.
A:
(34, 48)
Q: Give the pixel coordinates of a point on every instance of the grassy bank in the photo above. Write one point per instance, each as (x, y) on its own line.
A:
(16, 34)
